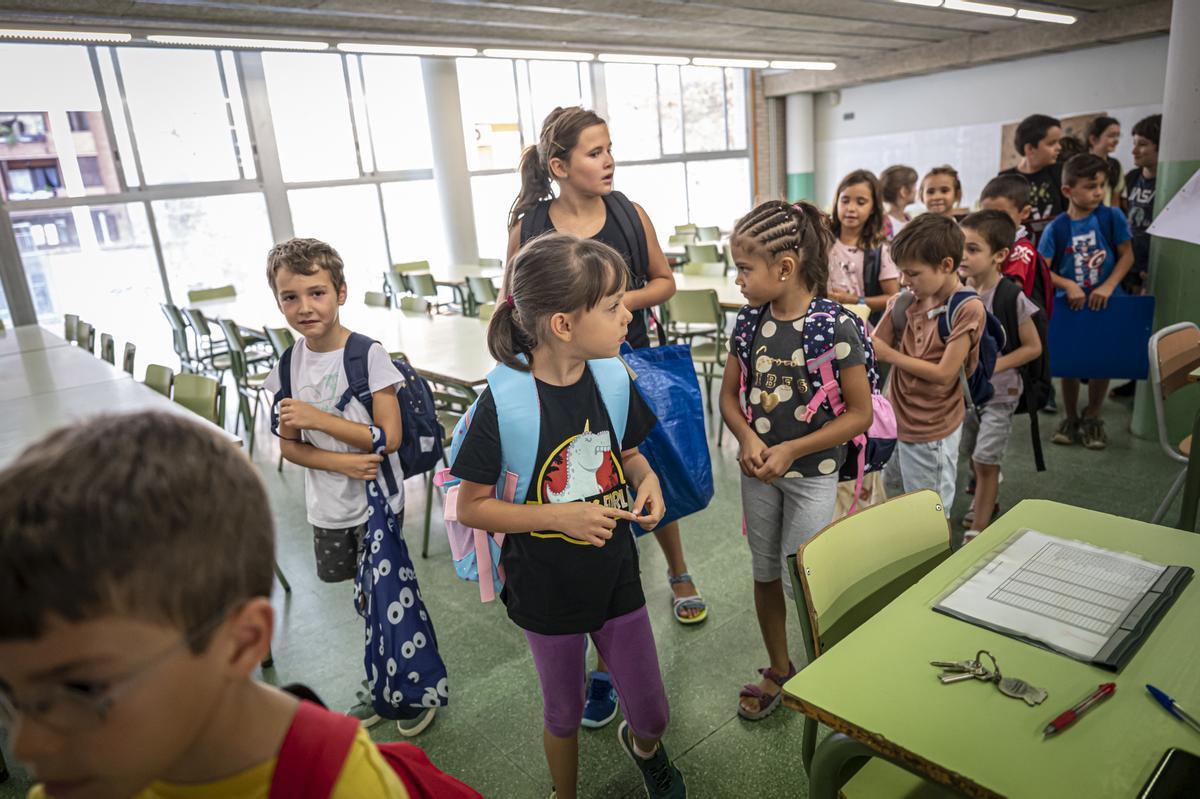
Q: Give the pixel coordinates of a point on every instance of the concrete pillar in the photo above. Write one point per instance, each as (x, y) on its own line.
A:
(801, 159)
(1175, 265)
(450, 171)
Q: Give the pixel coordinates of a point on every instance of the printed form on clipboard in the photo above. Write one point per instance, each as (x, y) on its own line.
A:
(1086, 602)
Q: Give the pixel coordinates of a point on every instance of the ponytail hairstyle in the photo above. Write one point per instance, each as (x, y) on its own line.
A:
(553, 273)
(560, 134)
(944, 169)
(895, 178)
(779, 228)
(872, 229)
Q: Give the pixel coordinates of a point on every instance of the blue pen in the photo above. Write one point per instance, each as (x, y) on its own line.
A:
(1173, 708)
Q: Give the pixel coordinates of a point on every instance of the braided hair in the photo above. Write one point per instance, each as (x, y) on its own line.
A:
(799, 229)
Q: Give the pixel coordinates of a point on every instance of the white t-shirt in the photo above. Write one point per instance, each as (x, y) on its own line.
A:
(846, 268)
(334, 500)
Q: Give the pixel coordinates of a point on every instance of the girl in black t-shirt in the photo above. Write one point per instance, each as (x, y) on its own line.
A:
(569, 558)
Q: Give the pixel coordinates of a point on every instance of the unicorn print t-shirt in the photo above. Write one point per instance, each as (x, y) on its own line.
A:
(556, 584)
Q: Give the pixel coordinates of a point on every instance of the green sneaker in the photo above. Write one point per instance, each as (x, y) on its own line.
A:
(364, 711)
(662, 779)
(410, 728)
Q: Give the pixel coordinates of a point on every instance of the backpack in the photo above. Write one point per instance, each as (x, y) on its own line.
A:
(866, 452)
(872, 265)
(421, 435)
(992, 340)
(476, 553)
(315, 748)
(1035, 375)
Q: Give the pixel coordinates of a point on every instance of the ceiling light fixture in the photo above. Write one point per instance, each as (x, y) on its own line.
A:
(539, 55)
(744, 63)
(406, 49)
(979, 8)
(632, 58)
(821, 65)
(235, 41)
(1045, 16)
(65, 36)
(927, 3)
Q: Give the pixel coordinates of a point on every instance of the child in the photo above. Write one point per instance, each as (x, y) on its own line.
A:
(789, 459)
(1024, 266)
(924, 386)
(1103, 136)
(334, 446)
(985, 433)
(136, 561)
(941, 191)
(899, 186)
(861, 269)
(1038, 141)
(569, 557)
(1139, 198)
(1089, 254)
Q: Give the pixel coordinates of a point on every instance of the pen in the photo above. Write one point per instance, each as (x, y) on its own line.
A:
(1173, 708)
(1068, 717)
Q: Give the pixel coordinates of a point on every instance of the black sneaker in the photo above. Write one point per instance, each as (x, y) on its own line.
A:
(1092, 433)
(662, 779)
(1124, 391)
(1067, 432)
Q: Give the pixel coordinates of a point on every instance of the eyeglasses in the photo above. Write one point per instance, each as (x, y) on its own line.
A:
(67, 708)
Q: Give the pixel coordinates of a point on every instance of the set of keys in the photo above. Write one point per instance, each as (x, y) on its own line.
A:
(962, 670)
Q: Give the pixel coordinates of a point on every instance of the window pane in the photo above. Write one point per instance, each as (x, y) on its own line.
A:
(347, 217)
(97, 262)
(632, 110)
(491, 124)
(53, 141)
(180, 117)
(735, 101)
(719, 191)
(5, 313)
(311, 114)
(703, 108)
(661, 190)
(399, 119)
(414, 221)
(215, 241)
(553, 84)
(670, 108)
(493, 195)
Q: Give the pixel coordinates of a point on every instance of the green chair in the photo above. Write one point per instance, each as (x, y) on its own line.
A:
(208, 295)
(844, 575)
(486, 310)
(159, 378)
(424, 286)
(482, 290)
(376, 299)
(1, 331)
(681, 240)
(202, 395)
(128, 356)
(727, 257)
(108, 348)
(701, 312)
(249, 385)
(85, 336)
(688, 228)
(1174, 354)
(704, 270)
(703, 253)
(494, 263)
(280, 339)
(395, 281)
(414, 304)
(70, 321)
(210, 355)
(704, 234)
(179, 336)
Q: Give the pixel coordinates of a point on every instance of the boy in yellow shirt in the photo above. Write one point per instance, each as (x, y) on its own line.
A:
(136, 557)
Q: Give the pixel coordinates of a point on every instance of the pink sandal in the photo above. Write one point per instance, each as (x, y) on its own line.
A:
(766, 702)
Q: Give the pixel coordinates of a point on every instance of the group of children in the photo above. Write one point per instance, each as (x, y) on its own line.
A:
(126, 654)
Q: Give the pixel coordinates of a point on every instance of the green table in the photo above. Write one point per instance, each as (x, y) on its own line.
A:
(877, 686)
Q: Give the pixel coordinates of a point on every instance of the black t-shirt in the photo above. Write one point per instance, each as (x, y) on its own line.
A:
(1139, 194)
(555, 584)
(1045, 196)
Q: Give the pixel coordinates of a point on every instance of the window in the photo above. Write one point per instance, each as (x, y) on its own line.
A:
(551, 84)
(180, 115)
(414, 222)
(493, 195)
(78, 121)
(670, 109)
(661, 190)
(348, 218)
(718, 191)
(26, 180)
(399, 125)
(491, 123)
(632, 111)
(215, 241)
(311, 113)
(703, 108)
(89, 170)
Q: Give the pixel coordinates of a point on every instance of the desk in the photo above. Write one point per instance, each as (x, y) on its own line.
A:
(445, 347)
(37, 372)
(877, 686)
(728, 295)
(28, 338)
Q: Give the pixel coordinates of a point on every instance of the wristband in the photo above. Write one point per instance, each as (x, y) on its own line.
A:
(862, 300)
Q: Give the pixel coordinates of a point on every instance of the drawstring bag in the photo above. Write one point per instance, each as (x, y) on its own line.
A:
(405, 673)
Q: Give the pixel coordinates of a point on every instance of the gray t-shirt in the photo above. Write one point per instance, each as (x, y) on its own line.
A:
(781, 388)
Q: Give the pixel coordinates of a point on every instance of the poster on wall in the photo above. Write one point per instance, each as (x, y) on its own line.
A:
(1072, 126)
(1180, 219)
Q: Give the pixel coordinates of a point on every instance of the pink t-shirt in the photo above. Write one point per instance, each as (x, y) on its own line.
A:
(846, 268)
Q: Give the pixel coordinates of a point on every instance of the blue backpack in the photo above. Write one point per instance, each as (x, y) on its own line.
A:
(978, 386)
(518, 413)
(422, 433)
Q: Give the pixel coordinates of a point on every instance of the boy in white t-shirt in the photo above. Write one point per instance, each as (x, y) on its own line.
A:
(306, 277)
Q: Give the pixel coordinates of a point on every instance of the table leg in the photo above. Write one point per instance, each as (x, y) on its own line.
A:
(1191, 485)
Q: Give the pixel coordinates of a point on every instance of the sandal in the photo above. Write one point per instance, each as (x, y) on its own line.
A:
(766, 702)
(679, 603)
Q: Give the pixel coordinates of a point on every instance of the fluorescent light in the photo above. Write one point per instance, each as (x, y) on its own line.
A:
(824, 65)
(66, 36)
(231, 41)
(928, 3)
(1045, 16)
(405, 49)
(979, 8)
(744, 63)
(629, 58)
(539, 55)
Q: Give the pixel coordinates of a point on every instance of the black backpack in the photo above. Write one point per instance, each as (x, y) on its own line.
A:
(1035, 375)
(872, 265)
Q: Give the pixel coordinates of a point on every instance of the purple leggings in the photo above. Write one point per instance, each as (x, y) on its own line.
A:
(627, 645)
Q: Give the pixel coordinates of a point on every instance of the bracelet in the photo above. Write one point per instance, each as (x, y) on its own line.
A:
(862, 300)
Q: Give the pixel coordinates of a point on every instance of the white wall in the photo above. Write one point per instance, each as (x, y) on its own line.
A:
(955, 117)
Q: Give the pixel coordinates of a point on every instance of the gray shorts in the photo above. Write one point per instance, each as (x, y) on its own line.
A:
(338, 552)
(985, 436)
(782, 516)
(929, 464)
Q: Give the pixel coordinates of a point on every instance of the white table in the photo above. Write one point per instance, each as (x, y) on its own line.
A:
(45, 371)
(728, 295)
(28, 338)
(441, 347)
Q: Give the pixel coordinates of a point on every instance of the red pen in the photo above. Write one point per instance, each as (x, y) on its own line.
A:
(1067, 718)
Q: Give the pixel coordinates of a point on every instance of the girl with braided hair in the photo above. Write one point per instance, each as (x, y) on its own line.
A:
(791, 443)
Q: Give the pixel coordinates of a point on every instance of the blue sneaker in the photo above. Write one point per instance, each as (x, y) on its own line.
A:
(601, 705)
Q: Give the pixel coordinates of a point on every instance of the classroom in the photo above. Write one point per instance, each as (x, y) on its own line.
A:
(460, 398)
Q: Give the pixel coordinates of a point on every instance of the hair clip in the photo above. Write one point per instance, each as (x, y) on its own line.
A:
(509, 301)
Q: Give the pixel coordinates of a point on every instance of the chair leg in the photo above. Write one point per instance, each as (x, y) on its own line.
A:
(1166, 503)
(428, 514)
(809, 744)
(836, 760)
(287, 587)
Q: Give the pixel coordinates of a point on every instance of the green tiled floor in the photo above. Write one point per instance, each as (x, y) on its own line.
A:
(490, 735)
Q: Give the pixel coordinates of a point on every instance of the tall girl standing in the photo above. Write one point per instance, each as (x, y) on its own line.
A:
(861, 269)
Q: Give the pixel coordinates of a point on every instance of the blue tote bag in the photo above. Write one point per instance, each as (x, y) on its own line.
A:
(677, 447)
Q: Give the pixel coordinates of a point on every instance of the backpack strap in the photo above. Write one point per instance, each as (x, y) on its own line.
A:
(535, 221)
(358, 386)
(518, 416)
(284, 370)
(630, 223)
(313, 753)
(904, 301)
(872, 266)
(612, 378)
(1004, 308)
